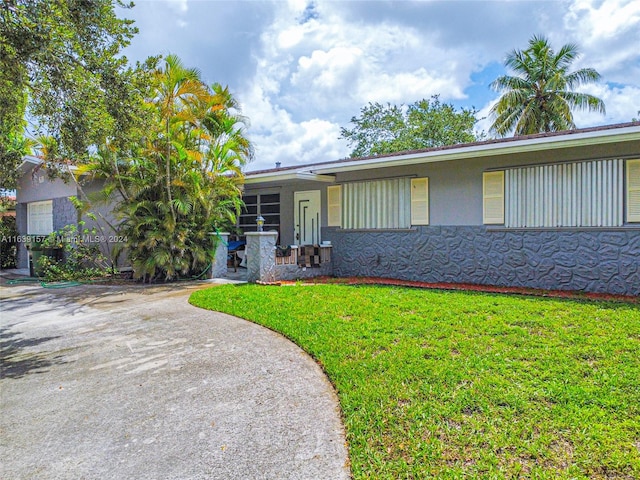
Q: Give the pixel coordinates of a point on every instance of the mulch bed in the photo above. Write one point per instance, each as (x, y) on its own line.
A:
(574, 295)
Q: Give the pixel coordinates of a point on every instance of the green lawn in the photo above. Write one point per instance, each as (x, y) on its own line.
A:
(458, 384)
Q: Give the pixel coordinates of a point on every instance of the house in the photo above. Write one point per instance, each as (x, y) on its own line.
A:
(551, 211)
(44, 205)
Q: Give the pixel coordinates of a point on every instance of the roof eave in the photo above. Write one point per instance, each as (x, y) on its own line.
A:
(486, 150)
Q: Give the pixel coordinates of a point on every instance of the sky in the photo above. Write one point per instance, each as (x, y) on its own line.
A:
(302, 69)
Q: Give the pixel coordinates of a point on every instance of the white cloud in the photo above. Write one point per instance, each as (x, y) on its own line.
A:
(277, 138)
(326, 65)
(603, 19)
(608, 34)
(180, 6)
(622, 104)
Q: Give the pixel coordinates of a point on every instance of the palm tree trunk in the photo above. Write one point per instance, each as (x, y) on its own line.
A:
(168, 171)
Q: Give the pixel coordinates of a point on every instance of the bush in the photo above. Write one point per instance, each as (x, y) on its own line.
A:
(81, 258)
(8, 242)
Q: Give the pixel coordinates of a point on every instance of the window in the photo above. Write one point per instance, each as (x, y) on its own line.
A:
(334, 206)
(576, 194)
(420, 201)
(267, 205)
(40, 218)
(377, 204)
(493, 198)
(633, 191)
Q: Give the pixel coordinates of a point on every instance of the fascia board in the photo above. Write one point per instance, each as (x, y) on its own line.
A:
(480, 151)
(289, 175)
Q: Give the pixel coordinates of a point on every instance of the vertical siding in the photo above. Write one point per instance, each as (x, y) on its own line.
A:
(377, 204)
(581, 194)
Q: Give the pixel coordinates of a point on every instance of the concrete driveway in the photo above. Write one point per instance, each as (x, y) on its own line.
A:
(134, 383)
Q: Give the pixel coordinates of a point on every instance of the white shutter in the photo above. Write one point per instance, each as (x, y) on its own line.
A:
(633, 191)
(493, 197)
(334, 206)
(420, 201)
(40, 218)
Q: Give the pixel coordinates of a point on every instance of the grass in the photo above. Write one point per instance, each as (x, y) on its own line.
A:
(460, 384)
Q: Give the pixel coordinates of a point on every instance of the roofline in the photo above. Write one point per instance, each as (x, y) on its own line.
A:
(504, 146)
(33, 160)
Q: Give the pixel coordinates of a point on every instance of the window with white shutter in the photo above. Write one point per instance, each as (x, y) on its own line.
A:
(420, 201)
(334, 206)
(493, 197)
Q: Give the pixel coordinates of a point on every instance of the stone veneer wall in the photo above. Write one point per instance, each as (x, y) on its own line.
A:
(295, 272)
(590, 260)
(64, 213)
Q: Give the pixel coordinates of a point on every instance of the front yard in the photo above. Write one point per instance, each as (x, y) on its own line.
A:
(459, 384)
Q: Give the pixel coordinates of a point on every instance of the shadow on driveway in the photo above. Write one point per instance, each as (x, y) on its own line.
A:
(17, 358)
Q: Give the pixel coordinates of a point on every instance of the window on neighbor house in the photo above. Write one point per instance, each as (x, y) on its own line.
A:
(379, 204)
(267, 205)
(40, 218)
(577, 194)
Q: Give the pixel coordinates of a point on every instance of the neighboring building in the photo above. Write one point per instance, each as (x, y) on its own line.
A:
(44, 205)
(551, 211)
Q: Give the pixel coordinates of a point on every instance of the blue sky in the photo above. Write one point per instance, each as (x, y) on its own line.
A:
(301, 69)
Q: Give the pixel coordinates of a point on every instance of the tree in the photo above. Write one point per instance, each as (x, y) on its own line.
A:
(184, 182)
(59, 64)
(540, 96)
(388, 128)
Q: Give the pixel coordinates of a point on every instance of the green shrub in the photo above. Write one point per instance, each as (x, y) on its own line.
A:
(81, 257)
(8, 242)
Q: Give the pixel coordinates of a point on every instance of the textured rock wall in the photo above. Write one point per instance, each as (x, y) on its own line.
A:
(294, 272)
(586, 260)
(261, 256)
(219, 264)
(64, 213)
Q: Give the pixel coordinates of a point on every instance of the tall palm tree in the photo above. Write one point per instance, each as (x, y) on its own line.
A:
(177, 89)
(540, 96)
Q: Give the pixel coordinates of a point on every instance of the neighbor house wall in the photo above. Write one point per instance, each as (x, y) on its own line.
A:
(105, 223)
(36, 187)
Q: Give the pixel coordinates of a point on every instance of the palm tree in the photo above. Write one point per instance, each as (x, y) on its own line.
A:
(177, 89)
(541, 96)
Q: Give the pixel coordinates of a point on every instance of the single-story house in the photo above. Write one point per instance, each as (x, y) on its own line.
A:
(551, 211)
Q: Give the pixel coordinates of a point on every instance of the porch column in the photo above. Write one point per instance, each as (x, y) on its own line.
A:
(219, 264)
(261, 256)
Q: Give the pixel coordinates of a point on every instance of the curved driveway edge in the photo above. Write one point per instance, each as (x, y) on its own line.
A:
(133, 382)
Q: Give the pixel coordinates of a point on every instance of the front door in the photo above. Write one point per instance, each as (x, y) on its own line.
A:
(307, 217)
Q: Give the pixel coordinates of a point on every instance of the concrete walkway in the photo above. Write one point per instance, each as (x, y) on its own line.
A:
(134, 383)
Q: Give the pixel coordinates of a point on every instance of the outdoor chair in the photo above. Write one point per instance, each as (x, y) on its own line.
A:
(233, 248)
